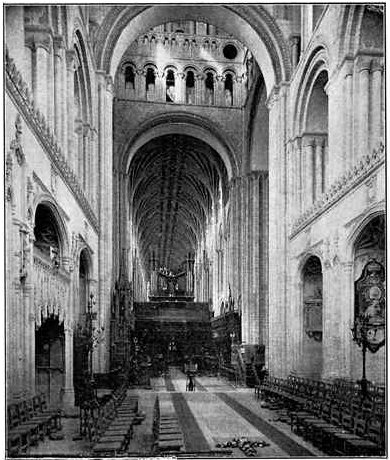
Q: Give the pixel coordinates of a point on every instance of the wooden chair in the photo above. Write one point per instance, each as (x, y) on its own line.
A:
(19, 435)
(372, 442)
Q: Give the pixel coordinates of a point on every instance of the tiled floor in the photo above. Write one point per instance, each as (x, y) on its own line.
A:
(217, 413)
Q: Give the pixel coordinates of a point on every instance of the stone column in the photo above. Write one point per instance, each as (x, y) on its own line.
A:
(28, 342)
(106, 218)
(50, 82)
(336, 125)
(39, 76)
(297, 321)
(102, 201)
(199, 89)
(18, 389)
(70, 66)
(86, 160)
(331, 339)
(278, 360)
(255, 243)
(160, 86)
(68, 395)
(238, 92)
(253, 336)
(243, 257)
(263, 263)
(240, 231)
(290, 179)
(376, 105)
(346, 319)
(64, 105)
(219, 90)
(79, 150)
(348, 117)
(364, 88)
(180, 83)
(94, 170)
(233, 239)
(319, 142)
(140, 84)
(58, 95)
(309, 172)
(298, 177)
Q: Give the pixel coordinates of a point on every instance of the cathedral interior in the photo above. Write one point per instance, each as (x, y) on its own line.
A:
(195, 221)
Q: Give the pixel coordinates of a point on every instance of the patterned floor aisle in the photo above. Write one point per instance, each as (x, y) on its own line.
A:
(215, 413)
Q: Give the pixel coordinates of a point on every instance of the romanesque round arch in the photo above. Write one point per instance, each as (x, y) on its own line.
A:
(359, 226)
(47, 201)
(354, 23)
(181, 123)
(316, 63)
(252, 25)
(85, 251)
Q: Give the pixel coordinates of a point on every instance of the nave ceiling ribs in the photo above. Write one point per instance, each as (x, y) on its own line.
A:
(174, 180)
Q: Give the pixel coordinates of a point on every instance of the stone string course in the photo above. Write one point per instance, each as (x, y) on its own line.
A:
(347, 182)
(18, 90)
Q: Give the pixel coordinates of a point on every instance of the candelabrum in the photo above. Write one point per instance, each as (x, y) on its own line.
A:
(364, 334)
(90, 335)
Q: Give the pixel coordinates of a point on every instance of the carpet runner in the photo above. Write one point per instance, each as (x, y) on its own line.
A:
(272, 433)
(194, 439)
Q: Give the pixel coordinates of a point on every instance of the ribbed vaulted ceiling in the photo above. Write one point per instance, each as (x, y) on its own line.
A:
(173, 182)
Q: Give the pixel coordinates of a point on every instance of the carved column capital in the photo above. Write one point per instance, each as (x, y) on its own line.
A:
(70, 56)
(58, 44)
(273, 97)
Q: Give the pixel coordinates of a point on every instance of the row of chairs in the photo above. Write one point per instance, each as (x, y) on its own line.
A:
(296, 390)
(95, 414)
(29, 421)
(334, 416)
(118, 432)
(168, 436)
(341, 428)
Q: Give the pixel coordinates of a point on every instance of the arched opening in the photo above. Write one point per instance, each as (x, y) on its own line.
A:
(266, 43)
(258, 125)
(170, 86)
(228, 90)
(209, 87)
(50, 360)
(315, 139)
(370, 297)
(129, 78)
(312, 295)
(150, 82)
(83, 113)
(46, 233)
(49, 334)
(146, 221)
(190, 87)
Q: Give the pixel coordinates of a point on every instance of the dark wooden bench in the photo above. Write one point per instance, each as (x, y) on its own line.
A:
(28, 422)
(116, 436)
(333, 416)
(168, 436)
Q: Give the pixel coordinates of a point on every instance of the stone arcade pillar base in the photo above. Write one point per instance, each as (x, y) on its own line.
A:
(68, 407)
